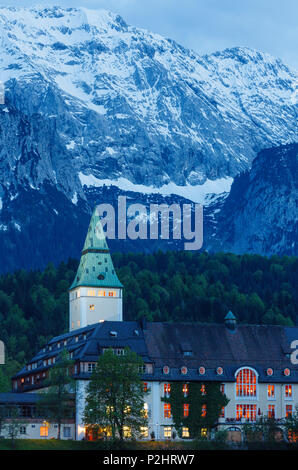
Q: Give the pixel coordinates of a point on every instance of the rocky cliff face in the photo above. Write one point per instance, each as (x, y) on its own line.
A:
(90, 100)
(260, 215)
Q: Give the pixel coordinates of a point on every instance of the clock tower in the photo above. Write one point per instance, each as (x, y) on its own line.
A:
(96, 292)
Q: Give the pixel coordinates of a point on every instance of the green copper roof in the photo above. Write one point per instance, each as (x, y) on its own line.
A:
(96, 266)
(230, 316)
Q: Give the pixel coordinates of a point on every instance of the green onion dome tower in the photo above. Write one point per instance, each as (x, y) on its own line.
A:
(96, 292)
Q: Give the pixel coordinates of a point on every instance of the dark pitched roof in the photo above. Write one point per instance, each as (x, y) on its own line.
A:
(214, 345)
(19, 398)
(185, 344)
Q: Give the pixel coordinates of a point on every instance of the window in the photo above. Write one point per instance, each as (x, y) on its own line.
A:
(288, 391)
(222, 412)
(146, 408)
(271, 411)
(78, 324)
(44, 431)
(167, 410)
(185, 432)
(126, 431)
(204, 410)
(144, 431)
(91, 307)
(185, 410)
(167, 431)
(289, 410)
(204, 432)
(222, 388)
(270, 391)
(167, 390)
(119, 352)
(246, 383)
(249, 412)
(185, 390)
(203, 389)
(66, 431)
(101, 293)
(91, 366)
(91, 293)
(112, 294)
(145, 387)
(23, 430)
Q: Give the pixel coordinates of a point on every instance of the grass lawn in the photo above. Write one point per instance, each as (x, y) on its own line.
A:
(54, 444)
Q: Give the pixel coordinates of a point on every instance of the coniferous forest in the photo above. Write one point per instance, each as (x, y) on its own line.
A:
(170, 286)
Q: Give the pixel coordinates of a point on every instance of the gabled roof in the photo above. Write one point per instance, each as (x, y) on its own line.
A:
(212, 345)
(19, 398)
(96, 266)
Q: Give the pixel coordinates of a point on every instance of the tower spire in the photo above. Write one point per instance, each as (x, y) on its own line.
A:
(96, 292)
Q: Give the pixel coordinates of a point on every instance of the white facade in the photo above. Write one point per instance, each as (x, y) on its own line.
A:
(90, 305)
(40, 429)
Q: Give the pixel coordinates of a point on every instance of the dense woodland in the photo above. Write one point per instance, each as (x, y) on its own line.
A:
(171, 286)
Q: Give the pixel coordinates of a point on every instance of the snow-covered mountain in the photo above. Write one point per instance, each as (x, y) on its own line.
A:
(90, 101)
(260, 215)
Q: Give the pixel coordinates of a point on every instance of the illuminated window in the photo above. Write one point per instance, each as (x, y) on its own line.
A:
(112, 293)
(146, 410)
(185, 410)
(249, 412)
(144, 431)
(203, 389)
(204, 432)
(167, 390)
(167, 410)
(91, 293)
(185, 390)
(101, 293)
(145, 387)
(167, 431)
(288, 391)
(204, 411)
(185, 432)
(91, 307)
(44, 431)
(126, 431)
(246, 383)
(270, 391)
(79, 293)
(271, 411)
(78, 324)
(289, 410)
(222, 412)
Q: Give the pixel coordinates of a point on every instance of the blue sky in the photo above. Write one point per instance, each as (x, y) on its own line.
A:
(209, 25)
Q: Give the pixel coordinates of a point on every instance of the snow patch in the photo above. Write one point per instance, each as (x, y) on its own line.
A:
(195, 193)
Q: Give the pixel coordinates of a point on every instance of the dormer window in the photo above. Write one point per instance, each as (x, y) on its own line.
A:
(187, 353)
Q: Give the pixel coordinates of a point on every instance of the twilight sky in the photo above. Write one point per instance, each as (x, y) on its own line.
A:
(208, 25)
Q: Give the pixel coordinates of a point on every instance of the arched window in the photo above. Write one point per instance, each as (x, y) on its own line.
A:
(246, 383)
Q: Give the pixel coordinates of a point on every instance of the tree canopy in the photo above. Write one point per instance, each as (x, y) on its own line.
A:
(115, 396)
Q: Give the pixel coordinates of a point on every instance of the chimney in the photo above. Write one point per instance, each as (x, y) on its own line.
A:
(143, 322)
(230, 321)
